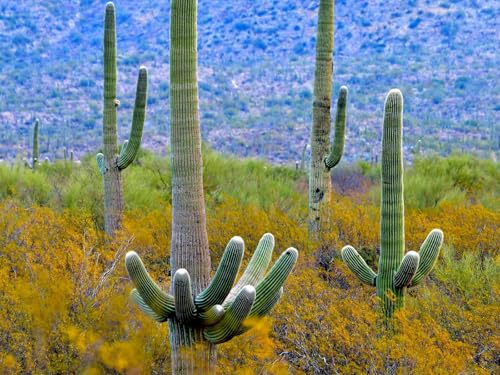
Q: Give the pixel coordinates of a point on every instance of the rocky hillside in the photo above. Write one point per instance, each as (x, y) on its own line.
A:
(256, 68)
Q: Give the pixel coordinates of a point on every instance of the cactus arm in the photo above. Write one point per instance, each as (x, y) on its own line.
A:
(100, 163)
(129, 152)
(429, 252)
(185, 310)
(160, 302)
(266, 307)
(233, 318)
(339, 139)
(407, 269)
(223, 281)
(254, 316)
(123, 148)
(136, 297)
(358, 266)
(256, 268)
(274, 280)
(212, 315)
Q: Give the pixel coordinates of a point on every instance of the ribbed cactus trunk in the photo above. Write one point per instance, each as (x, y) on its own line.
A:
(319, 176)
(35, 153)
(201, 312)
(110, 163)
(113, 191)
(392, 246)
(191, 354)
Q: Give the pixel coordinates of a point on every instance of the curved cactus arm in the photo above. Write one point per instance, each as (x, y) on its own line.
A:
(159, 301)
(266, 307)
(136, 297)
(340, 120)
(223, 281)
(429, 252)
(256, 268)
(233, 317)
(129, 153)
(124, 147)
(100, 163)
(358, 266)
(256, 314)
(271, 284)
(185, 310)
(212, 316)
(407, 269)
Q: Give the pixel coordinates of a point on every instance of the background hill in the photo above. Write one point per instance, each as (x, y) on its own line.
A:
(256, 68)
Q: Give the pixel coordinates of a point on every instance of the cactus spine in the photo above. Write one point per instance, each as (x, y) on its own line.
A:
(200, 312)
(397, 271)
(322, 158)
(111, 163)
(35, 154)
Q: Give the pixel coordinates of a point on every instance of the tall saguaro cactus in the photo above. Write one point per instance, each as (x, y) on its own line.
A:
(322, 158)
(111, 163)
(397, 270)
(35, 153)
(201, 312)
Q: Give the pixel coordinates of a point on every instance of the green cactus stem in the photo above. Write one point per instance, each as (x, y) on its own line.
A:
(397, 270)
(35, 157)
(339, 139)
(322, 158)
(111, 163)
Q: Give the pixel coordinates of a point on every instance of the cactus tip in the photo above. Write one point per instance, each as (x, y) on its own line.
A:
(293, 252)
(238, 239)
(249, 290)
(130, 254)
(181, 272)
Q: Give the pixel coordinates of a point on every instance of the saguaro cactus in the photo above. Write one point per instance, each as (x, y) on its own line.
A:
(200, 312)
(397, 270)
(111, 163)
(322, 158)
(35, 153)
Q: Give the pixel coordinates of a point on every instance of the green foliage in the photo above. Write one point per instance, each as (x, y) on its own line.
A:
(323, 323)
(455, 179)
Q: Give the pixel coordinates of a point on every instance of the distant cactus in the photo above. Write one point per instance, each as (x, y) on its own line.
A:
(201, 311)
(111, 163)
(35, 153)
(322, 158)
(396, 270)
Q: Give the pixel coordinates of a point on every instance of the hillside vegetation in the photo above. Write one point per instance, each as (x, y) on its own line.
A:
(64, 289)
(256, 66)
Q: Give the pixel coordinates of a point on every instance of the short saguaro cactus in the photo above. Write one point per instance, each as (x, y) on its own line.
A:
(397, 270)
(224, 309)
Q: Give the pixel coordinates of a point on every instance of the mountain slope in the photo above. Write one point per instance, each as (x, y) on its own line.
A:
(256, 68)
